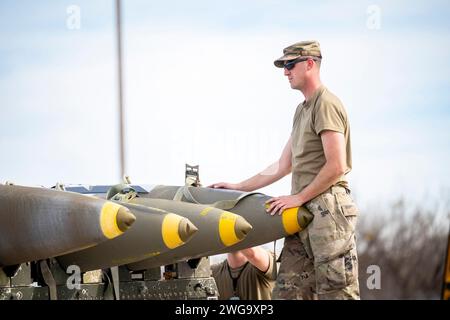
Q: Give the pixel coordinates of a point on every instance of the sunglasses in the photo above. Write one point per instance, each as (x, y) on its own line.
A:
(291, 64)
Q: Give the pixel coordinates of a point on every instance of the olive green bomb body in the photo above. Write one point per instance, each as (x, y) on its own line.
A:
(155, 231)
(39, 223)
(251, 206)
(217, 230)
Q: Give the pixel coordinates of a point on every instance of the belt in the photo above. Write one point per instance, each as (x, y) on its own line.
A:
(332, 190)
(337, 189)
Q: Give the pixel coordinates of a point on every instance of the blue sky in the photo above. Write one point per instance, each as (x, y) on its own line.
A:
(200, 87)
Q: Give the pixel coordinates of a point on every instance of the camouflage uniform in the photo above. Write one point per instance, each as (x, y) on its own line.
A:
(321, 261)
(295, 280)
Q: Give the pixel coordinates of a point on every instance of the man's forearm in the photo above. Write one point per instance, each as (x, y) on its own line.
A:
(327, 177)
(258, 257)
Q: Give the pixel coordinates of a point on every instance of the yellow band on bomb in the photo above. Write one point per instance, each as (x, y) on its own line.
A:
(205, 211)
(108, 220)
(227, 231)
(290, 220)
(169, 230)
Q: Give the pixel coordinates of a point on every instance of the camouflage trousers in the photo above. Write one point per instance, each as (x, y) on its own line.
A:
(321, 262)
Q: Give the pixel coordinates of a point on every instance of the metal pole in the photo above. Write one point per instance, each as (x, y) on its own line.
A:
(120, 90)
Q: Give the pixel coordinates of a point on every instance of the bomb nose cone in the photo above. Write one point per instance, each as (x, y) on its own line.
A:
(186, 229)
(115, 219)
(125, 219)
(232, 228)
(242, 227)
(175, 229)
(304, 217)
(296, 219)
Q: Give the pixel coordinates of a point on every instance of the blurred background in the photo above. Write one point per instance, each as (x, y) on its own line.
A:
(199, 87)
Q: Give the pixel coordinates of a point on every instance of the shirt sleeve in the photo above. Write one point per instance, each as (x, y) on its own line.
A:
(271, 273)
(329, 115)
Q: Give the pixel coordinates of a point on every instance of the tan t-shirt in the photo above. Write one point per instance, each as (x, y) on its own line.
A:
(251, 284)
(323, 111)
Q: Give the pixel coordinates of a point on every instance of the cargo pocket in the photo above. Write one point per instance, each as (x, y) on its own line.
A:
(351, 266)
(323, 232)
(349, 211)
(331, 275)
(337, 273)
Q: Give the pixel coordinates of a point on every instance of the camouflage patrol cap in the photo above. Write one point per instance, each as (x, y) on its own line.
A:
(304, 48)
